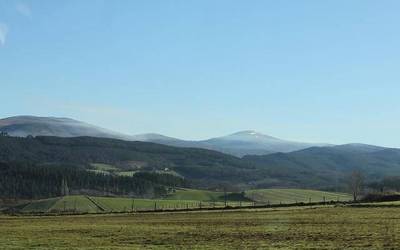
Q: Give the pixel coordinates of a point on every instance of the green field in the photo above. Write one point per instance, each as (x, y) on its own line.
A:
(104, 167)
(317, 228)
(40, 205)
(69, 203)
(196, 195)
(180, 199)
(127, 204)
(287, 196)
(84, 204)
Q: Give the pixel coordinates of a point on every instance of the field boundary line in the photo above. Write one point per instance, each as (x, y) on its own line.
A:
(96, 203)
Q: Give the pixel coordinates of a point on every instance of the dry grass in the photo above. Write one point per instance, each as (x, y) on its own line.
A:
(319, 228)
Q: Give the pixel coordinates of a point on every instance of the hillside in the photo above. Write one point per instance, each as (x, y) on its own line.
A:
(204, 167)
(241, 143)
(333, 163)
(23, 126)
(251, 142)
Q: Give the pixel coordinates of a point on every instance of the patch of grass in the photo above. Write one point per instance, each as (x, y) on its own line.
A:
(180, 199)
(126, 173)
(104, 167)
(286, 196)
(84, 204)
(96, 171)
(129, 204)
(196, 194)
(40, 205)
(74, 203)
(78, 203)
(319, 228)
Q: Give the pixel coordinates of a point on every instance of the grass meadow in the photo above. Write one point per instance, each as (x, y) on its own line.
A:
(315, 228)
(180, 199)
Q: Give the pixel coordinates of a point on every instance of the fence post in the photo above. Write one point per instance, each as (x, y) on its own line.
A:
(155, 206)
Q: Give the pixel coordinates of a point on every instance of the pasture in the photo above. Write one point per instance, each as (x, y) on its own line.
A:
(316, 228)
(287, 196)
(178, 200)
(196, 195)
(90, 204)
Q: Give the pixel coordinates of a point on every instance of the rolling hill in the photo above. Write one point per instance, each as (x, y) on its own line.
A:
(204, 167)
(23, 126)
(241, 143)
(333, 163)
(250, 142)
(238, 144)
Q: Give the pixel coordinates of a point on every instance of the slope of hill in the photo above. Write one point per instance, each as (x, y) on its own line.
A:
(242, 143)
(250, 142)
(52, 126)
(203, 166)
(333, 163)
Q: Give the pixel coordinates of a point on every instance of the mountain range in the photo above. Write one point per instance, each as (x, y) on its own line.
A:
(244, 159)
(242, 143)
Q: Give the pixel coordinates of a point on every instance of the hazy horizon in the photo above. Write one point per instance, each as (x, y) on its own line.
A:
(310, 71)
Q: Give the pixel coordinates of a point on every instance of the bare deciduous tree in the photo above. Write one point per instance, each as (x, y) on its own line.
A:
(356, 183)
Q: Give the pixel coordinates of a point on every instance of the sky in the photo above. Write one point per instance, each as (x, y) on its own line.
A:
(315, 71)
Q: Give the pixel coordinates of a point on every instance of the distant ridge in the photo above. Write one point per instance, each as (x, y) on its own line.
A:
(247, 142)
(23, 126)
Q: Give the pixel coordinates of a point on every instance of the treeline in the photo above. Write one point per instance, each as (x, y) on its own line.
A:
(391, 183)
(30, 181)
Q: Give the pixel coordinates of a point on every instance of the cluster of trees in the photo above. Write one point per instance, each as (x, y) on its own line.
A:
(4, 134)
(30, 181)
(390, 183)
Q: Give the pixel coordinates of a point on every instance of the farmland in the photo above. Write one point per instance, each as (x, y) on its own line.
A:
(329, 227)
(179, 199)
(85, 204)
(276, 196)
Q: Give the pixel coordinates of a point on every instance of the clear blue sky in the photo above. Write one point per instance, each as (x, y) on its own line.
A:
(318, 71)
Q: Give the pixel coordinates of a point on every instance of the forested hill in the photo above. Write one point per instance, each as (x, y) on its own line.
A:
(318, 168)
(205, 167)
(336, 162)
